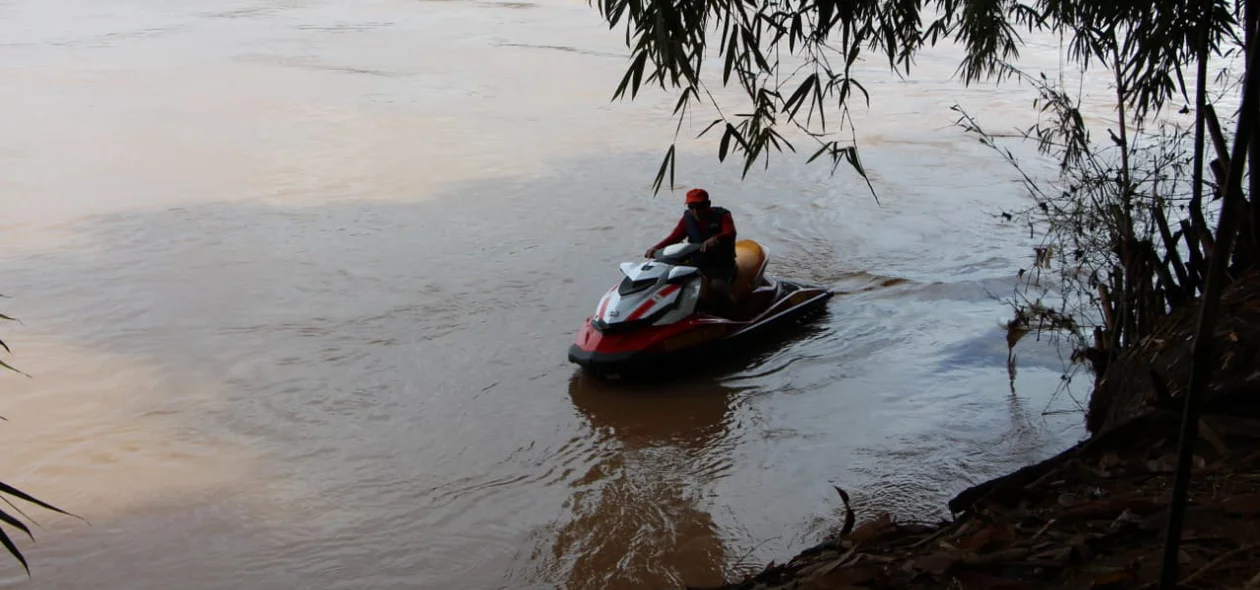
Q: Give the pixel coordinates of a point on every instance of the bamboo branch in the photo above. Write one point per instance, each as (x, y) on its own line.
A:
(1196, 268)
(1202, 361)
(1208, 242)
(1200, 107)
(1109, 313)
(1165, 279)
(1252, 18)
(1220, 174)
(1218, 138)
(1174, 258)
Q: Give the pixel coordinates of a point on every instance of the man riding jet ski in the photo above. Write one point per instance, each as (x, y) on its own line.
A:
(714, 229)
(689, 297)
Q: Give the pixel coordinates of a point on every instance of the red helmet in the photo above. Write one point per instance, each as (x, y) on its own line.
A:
(697, 195)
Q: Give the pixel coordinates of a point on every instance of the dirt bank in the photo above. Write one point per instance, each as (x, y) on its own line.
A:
(1092, 516)
(1156, 372)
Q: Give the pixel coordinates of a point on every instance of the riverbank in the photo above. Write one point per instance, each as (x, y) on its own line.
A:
(1093, 515)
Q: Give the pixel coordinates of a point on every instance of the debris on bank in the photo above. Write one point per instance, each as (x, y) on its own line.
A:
(1156, 373)
(1092, 517)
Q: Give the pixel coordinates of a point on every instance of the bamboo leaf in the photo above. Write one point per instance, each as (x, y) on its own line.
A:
(825, 11)
(13, 550)
(672, 167)
(797, 32)
(797, 99)
(12, 368)
(640, 65)
(732, 52)
(776, 137)
(16, 493)
(18, 510)
(625, 82)
(754, 49)
(5, 346)
(682, 100)
(866, 95)
(710, 127)
(851, 154)
(634, 74)
(821, 150)
(667, 164)
(726, 141)
(7, 518)
(757, 145)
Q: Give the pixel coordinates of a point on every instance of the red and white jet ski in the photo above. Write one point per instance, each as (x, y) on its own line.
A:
(653, 314)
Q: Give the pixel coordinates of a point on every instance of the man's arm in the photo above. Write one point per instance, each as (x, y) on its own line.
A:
(728, 228)
(680, 230)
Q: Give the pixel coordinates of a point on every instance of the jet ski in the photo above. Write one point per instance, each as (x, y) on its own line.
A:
(656, 313)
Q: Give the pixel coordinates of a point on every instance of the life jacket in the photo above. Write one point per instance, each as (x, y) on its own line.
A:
(697, 232)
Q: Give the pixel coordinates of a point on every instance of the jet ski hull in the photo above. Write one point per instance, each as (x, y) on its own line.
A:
(603, 351)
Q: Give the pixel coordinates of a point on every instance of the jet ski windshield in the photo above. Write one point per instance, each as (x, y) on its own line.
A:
(677, 253)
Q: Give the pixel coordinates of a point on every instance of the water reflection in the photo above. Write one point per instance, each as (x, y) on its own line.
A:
(690, 414)
(638, 516)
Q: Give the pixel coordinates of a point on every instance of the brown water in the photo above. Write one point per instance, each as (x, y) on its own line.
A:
(297, 279)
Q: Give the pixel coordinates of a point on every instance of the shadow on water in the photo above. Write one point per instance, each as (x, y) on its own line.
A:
(637, 517)
(689, 413)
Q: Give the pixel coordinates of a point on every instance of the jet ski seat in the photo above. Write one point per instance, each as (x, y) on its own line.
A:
(750, 268)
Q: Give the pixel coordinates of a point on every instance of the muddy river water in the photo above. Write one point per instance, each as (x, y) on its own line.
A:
(297, 277)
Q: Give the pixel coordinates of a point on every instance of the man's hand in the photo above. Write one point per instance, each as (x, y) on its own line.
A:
(709, 243)
(649, 252)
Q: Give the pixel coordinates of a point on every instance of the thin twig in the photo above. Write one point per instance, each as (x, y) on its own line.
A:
(1044, 529)
(938, 534)
(740, 562)
(19, 511)
(1219, 560)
